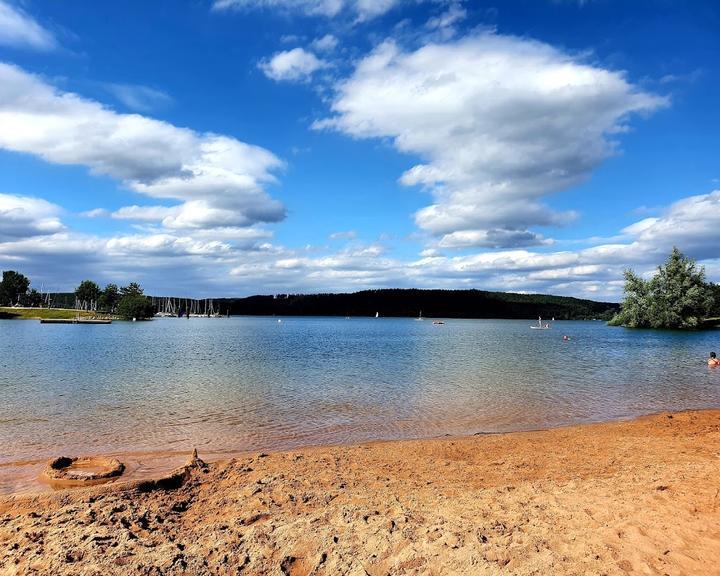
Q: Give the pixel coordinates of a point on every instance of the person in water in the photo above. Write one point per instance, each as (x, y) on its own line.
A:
(713, 360)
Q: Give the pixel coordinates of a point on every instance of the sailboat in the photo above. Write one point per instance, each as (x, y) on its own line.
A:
(377, 314)
(420, 316)
(540, 325)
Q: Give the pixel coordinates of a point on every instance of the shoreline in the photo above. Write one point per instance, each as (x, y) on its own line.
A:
(629, 496)
(142, 465)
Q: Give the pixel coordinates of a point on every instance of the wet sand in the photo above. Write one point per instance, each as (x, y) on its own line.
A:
(636, 497)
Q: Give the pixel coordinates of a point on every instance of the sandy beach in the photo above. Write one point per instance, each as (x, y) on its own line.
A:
(635, 497)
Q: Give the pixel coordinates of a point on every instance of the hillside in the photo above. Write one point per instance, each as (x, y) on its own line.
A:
(409, 303)
(396, 302)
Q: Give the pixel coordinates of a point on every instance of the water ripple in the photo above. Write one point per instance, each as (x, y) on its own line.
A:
(243, 384)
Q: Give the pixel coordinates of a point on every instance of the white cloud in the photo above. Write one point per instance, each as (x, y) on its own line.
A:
(234, 261)
(496, 238)
(344, 235)
(500, 122)
(95, 213)
(326, 43)
(327, 8)
(165, 245)
(22, 217)
(362, 10)
(446, 21)
(692, 224)
(292, 65)
(18, 29)
(218, 180)
(139, 98)
(146, 213)
(369, 9)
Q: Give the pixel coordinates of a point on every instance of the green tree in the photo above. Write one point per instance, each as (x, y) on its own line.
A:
(678, 296)
(715, 312)
(13, 287)
(133, 304)
(132, 289)
(32, 298)
(635, 308)
(87, 295)
(109, 298)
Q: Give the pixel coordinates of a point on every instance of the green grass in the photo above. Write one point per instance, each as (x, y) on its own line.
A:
(37, 313)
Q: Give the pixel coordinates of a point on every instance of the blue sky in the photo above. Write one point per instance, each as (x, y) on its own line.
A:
(232, 147)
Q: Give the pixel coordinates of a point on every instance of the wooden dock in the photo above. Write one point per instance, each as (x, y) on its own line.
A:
(74, 321)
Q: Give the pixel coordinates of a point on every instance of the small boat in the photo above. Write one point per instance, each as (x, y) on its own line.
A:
(438, 322)
(540, 325)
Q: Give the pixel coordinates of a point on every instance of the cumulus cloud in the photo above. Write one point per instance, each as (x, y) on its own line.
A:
(495, 238)
(146, 213)
(22, 217)
(234, 261)
(500, 123)
(218, 180)
(692, 223)
(292, 65)
(361, 9)
(166, 262)
(18, 29)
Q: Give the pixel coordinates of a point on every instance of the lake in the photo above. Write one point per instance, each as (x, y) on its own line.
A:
(228, 385)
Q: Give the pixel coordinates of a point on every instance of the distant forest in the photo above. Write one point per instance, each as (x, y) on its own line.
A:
(432, 303)
(407, 303)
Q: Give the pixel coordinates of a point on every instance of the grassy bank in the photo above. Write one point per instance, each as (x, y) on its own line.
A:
(38, 313)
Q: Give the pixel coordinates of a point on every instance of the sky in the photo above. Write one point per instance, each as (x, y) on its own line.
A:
(235, 147)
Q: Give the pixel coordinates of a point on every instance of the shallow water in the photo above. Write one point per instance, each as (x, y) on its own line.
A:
(236, 384)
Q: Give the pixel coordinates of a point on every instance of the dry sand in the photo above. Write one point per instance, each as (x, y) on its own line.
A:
(639, 497)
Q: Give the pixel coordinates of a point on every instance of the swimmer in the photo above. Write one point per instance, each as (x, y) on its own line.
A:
(713, 360)
(566, 338)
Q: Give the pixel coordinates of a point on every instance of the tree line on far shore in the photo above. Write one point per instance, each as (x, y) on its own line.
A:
(412, 302)
(126, 302)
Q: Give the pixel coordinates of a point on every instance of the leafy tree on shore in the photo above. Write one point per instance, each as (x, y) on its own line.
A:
(132, 289)
(678, 296)
(715, 312)
(13, 287)
(32, 299)
(87, 295)
(133, 304)
(109, 298)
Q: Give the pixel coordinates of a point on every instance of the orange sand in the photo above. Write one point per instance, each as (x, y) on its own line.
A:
(639, 497)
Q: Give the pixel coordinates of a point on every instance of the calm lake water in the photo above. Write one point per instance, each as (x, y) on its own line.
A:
(236, 384)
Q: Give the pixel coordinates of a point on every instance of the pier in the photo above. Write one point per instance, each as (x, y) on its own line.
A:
(74, 321)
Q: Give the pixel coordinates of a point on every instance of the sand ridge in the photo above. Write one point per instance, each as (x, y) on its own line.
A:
(636, 497)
